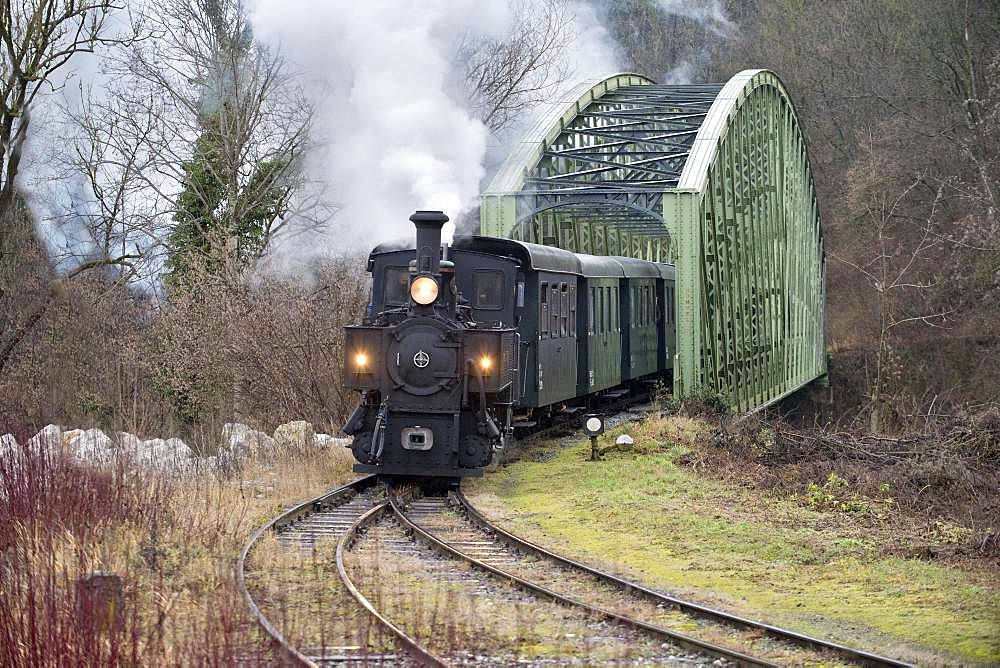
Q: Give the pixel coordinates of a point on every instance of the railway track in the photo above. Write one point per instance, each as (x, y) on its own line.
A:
(429, 580)
(455, 525)
(300, 542)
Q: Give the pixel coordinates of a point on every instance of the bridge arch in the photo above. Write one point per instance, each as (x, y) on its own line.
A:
(714, 178)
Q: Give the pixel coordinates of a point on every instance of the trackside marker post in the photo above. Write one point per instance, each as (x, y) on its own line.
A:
(593, 426)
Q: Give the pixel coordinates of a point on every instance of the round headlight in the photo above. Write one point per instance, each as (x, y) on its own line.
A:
(424, 290)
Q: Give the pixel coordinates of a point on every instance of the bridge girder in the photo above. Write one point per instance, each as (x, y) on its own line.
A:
(714, 178)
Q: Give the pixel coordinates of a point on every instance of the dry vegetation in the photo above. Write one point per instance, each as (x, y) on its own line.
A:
(171, 540)
(109, 357)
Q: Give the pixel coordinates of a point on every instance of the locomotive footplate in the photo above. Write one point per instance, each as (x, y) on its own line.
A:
(425, 442)
(444, 472)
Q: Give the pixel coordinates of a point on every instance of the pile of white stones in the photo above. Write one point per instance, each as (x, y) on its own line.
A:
(239, 442)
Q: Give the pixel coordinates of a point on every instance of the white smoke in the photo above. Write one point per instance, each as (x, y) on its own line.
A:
(392, 128)
(392, 140)
(710, 14)
(397, 133)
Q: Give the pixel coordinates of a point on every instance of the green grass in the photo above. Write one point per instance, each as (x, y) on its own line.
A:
(828, 574)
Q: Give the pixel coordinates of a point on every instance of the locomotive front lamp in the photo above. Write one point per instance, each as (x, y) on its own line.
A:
(361, 360)
(485, 363)
(424, 290)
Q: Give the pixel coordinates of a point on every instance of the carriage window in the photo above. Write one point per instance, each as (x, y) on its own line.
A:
(614, 310)
(397, 286)
(563, 309)
(611, 310)
(572, 310)
(592, 312)
(543, 310)
(606, 309)
(488, 287)
(554, 305)
(600, 309)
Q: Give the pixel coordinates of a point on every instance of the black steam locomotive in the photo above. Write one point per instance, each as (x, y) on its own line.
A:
(457, 350)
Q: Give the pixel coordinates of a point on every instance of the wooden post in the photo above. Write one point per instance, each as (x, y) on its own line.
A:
(100, 600)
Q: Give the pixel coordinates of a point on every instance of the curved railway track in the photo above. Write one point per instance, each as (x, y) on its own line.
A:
(326, 517)
(495, 542)
(368, 521)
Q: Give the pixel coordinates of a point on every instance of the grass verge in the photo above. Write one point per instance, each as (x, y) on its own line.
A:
(836, 574)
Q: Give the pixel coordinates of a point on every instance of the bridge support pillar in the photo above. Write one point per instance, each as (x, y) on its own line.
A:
(680, 210)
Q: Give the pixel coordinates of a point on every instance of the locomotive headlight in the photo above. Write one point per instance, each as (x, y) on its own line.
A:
(424, 290)
(361, 360)
(485, 363)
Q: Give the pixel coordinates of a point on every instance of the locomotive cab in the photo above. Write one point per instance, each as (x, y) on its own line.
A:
(435, 361)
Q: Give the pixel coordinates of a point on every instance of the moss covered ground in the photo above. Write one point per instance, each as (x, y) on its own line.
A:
(839, 575)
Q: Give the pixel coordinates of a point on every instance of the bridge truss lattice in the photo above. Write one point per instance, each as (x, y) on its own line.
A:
(712, 178)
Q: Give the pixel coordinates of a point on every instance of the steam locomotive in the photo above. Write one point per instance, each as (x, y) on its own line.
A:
(462, 344)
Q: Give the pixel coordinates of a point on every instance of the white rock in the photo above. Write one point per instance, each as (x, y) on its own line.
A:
(240, 440)
(91, 446)
(46, 439)
(297, 435)
(127, 442)
(8, 445)
(157, 453)
(68, 436)
(327, 441)
(338, 448)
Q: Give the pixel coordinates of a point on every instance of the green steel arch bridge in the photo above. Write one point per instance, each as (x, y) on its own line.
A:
(712, 178)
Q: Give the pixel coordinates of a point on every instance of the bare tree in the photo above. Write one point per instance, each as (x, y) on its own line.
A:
(212, 127)
(37, 39)
(902, 237)
(505, 76)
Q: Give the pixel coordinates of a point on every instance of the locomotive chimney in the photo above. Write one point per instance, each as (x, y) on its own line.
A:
(429, 224)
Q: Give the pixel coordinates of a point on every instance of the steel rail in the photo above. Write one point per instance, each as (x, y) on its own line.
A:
(854, 655)
(420, 653)
(278, 640)
(688, 642)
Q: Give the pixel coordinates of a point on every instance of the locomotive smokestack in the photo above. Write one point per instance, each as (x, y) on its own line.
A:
(429, 224)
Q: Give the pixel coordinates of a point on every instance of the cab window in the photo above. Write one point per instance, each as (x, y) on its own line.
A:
(397, 284)
(488, 288)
